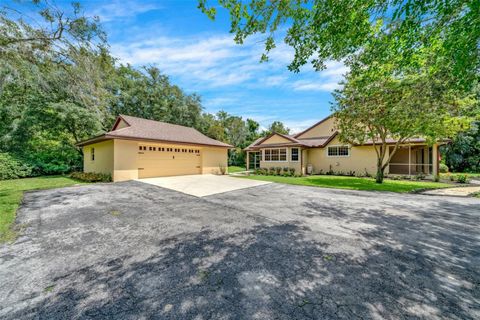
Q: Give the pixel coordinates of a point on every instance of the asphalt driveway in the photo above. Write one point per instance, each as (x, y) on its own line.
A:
(136, 251)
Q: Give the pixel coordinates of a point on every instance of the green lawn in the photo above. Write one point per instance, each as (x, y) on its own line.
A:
(11, 193)
(353, 183)
(233, 169)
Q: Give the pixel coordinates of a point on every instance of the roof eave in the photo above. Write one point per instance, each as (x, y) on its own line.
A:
(113, 136)
(95, 139)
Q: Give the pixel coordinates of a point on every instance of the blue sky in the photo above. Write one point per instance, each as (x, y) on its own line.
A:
(200, 56)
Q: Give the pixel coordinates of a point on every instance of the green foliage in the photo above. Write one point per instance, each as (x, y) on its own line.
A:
(91, 177)
(277, 127)
(443, 168)
(11, 168)
(323, 30)
(378, 104)
(462, 178)
(463, 153)
(60, 85)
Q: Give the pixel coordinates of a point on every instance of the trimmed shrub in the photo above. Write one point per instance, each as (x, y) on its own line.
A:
(12, 168)
(292, 171)
(271, 171)
(91, 176)
(278, 170)
(443, 168)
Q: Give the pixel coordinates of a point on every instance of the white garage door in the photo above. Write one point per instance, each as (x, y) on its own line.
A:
(161, 161)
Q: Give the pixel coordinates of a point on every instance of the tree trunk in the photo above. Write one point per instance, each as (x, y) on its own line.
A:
(380, 171)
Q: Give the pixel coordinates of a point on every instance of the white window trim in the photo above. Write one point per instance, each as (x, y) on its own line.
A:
(298, 154)
(339, 145)
(286, 152)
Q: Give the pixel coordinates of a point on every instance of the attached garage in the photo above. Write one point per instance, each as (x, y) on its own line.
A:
(138, 148)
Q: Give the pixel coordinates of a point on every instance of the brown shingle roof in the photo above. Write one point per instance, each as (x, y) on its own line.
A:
(144, 129)
(308, 142)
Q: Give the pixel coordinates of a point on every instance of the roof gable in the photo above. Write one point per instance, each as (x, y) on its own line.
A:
(120, 123)
(275, 138)
(325, 127)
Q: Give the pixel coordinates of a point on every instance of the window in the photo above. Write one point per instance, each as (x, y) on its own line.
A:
(294, 155)
(338, 151)
(276, 154)
(140, 148)
(92, 154)
(154, 148)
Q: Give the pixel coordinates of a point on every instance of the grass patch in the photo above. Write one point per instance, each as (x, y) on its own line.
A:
(233, 169)
(11, 194)
(353, 183)
(115, 213)
(49, 288)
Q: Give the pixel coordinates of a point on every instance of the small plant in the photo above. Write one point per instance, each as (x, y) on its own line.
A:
(223, 169)
(462, 178)
(419, 176)
(278, 170)
(436, 178)
(367, 174)
(443, 168)
(115, 213)
(351, 173)
(395, 177)
(286, 171)
(330, 171)
(451, 177)
(49, 288)
(91, 176)
(292, 171)
(271, 171)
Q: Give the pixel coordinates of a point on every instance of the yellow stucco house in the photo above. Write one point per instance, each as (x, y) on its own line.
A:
(140, 148)
(318, 150)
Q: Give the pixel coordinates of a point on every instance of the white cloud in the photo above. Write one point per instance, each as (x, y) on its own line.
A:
(297, 126)
(118, 10)
(216, 61)
(316, 85)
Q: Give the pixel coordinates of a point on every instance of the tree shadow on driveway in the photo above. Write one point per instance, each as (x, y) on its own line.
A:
(422, 266)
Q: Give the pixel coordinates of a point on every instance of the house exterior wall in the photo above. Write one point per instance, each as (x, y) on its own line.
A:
(361, 160)
(212, 159)
(125, 160)
(103, 162)
(326, 128)
(275, 139)
(282, 164)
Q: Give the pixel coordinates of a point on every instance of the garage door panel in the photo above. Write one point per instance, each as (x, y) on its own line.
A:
(158, 163)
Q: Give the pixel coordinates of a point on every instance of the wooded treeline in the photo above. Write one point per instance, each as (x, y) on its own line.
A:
(59, 84)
